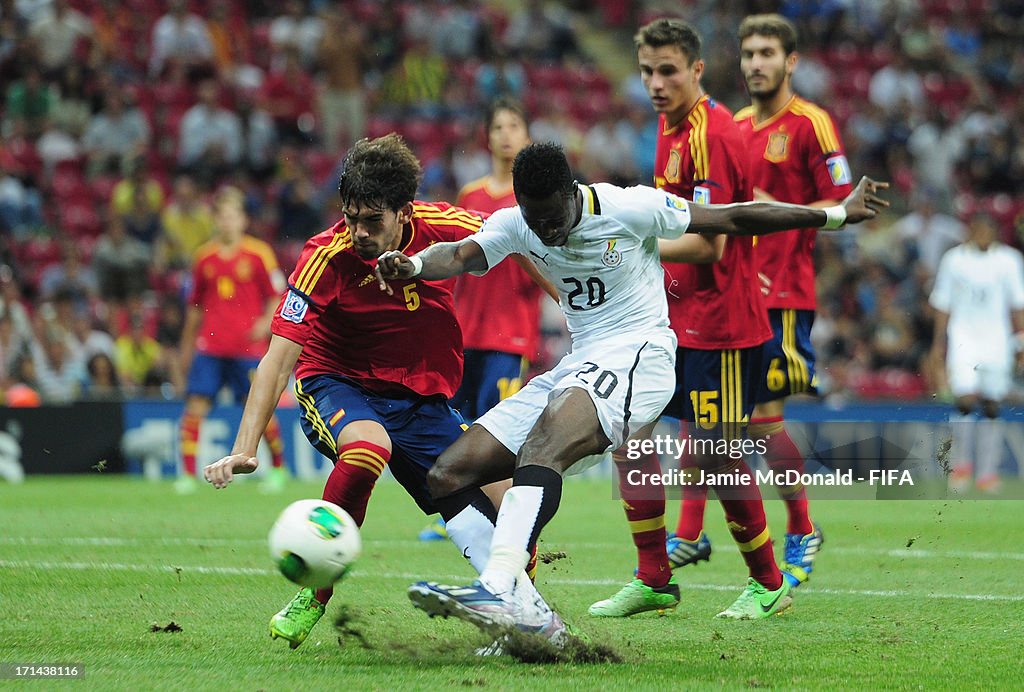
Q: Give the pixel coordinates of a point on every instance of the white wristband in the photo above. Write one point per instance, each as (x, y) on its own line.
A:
(417, 265)
(834, 217)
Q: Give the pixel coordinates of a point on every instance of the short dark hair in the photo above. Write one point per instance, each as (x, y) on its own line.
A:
(504, 103)
(670, 32)
(541, 170)
(380, 173)
(769, 25)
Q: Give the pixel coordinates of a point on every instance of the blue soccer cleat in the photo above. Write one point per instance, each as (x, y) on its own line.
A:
(472, 603)
(682, 552)
(435, 531)
(799, 556)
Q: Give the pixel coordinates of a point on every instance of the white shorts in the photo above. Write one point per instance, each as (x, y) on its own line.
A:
(980, 371)
(629, 381)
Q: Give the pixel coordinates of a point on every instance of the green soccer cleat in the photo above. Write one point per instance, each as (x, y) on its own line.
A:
(274, 482)
(296, 619)
(636, 597)
(757, 602)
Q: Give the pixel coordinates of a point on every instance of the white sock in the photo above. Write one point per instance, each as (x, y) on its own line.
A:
(472, 533)
(962, 430)
(990, 446)
(509, 555)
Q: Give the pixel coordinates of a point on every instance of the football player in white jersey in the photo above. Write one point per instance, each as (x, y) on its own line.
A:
(979, 327)
(598, 245)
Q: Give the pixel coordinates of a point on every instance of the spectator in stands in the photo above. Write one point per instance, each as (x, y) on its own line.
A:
(169, 325)
(55, 145)
(459, 32)
(541, 31)
(343, 55)
(417, 82)
(259, 135)
(102, 383)
(928, 233)
(72, 111)
(13, 346)
(71, 276)
(210, 140)
(139, 360)
(229, 38)
(297, 32)
(121, 264)
(57, 34)
(289, 95)
(88, 337)
(298, 215)
(187, 223)
(137, 180)
(897, 87)
(609, 155)
(59, 374)
(501, 76)
(30, 102)
(111, 22)
(116, 136)
(141, 220)
(21, 207)
(182, 37)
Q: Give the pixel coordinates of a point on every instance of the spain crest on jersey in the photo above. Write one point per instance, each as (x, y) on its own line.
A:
(839, 170)
(611, 256)
(294, 308)
(777, 148)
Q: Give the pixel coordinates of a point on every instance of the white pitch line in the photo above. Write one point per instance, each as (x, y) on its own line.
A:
(257, 571)
(913, 553)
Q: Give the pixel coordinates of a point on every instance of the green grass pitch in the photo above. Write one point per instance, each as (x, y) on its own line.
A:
(905, 594)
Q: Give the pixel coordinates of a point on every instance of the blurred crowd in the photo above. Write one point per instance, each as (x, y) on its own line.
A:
(121, 117)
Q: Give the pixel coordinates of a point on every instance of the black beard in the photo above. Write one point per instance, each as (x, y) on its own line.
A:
(766, 95)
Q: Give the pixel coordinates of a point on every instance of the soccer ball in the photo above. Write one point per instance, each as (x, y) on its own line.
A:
(314, 543)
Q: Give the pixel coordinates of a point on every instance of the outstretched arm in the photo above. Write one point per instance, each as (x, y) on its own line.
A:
(758, 218)
(439, 261)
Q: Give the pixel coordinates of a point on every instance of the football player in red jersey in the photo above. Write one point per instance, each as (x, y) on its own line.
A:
(236, 284)
(717, 311)
(498, 344)
(796, 156)
(374, 371)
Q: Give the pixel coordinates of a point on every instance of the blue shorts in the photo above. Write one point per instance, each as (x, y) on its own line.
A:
(788, 359)
(420, 427)
(209, 374)
(715, 390)
(488, 377)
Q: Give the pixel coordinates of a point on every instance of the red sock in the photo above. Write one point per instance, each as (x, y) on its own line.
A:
(189, 442)
(645, 509)
(744, 512)
(351, 482)
(274, 441)
(695, 497)
(783, 455)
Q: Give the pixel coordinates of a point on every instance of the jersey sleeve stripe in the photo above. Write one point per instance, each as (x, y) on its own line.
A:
(451, 214)
(699, 142)
(743, 114)
(824, 130)
(314, 268)
(449, 223)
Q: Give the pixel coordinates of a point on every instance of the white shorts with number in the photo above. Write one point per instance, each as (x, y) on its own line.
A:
(629, 381)
(982, 369)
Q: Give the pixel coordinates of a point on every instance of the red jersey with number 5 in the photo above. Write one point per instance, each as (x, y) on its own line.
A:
(233, 292)
(408, 341)
(795, 156)
(711, 306)
(499, 311)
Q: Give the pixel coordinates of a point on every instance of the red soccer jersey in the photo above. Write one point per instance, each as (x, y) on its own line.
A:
(711, 306)
(501, 310)
(795, 156)
(233, 293)
(349, 327)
